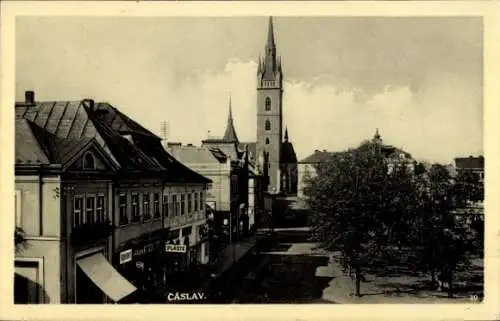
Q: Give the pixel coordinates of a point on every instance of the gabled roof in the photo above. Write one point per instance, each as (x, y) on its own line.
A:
(145, 149)
(318, 157)
(469, 162)
(67, 124)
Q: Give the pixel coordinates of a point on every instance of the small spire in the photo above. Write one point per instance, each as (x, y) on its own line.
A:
(259, 70)
(286, 134)
(230, 133)
(377, 134)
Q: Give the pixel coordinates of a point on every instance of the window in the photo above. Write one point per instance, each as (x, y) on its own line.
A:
(189, 207)
(122, 206)
(268, 125)
(196, 202)
(90, 210)
(175, 205)
(135, 208)
(146, 210)
(88, 161)
(268, 104)
(165, 205)
(183, 201)
(77, 211)
(100, 209)
(267, 141)
(18, 208)
(156, 205)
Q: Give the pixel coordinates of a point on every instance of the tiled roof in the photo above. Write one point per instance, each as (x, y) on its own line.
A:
(317, 157)
(68, 125)
(147, 149)
(120, 122)
(28, 149)
(469, 162)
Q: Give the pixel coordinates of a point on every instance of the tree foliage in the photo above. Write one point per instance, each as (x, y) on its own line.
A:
(363, 210)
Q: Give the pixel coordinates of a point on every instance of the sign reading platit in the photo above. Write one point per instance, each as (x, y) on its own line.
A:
(175, 248)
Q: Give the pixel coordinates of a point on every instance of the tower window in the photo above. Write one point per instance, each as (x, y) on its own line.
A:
(88, 161)
(267, 141)
(268, 125)
(268, 104)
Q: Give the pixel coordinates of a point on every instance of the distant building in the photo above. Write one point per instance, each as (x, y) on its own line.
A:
(308, 166)
(471, 164)
(81, 163)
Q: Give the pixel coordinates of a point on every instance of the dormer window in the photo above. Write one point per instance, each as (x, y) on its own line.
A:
(88, 161)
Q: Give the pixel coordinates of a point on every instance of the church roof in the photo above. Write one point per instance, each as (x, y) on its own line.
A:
(287, 153)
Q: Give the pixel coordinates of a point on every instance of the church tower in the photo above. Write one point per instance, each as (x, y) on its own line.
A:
(270, 109)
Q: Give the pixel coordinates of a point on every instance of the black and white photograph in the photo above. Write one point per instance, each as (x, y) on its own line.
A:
(249, 159)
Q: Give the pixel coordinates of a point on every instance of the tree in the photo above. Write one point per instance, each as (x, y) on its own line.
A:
(442, 241)
(19, 239)
(350, 198)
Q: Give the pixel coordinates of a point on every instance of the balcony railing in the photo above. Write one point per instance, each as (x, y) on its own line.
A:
(91, 232)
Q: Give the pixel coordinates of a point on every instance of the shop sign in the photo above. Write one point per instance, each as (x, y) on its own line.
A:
(139, 265)
(126, 256)
(175, 248)
(149, 248)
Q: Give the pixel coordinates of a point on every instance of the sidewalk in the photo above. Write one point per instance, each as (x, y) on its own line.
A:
(233, 253)
(200, 277)
(388, 289)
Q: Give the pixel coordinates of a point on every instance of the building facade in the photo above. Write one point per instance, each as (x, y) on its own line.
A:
(115, 185)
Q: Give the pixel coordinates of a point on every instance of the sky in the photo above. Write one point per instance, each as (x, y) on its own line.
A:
(418, 79)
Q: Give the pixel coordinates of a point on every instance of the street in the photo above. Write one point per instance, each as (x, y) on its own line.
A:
(270, 275)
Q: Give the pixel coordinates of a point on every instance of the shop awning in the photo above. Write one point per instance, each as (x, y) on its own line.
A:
(104, 275)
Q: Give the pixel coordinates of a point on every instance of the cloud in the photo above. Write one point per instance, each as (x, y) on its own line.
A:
(437, 124)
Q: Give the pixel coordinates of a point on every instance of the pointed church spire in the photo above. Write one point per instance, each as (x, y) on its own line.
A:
(270, 56)
(270, 33)
(286, 134)
(230, 133)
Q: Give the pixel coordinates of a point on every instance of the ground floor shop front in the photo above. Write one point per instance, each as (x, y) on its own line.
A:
(160, 262)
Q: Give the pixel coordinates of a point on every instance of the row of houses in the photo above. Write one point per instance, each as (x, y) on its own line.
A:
(105, 210)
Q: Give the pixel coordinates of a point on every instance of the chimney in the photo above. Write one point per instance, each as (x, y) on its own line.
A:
(316, 150)
(29, 97)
